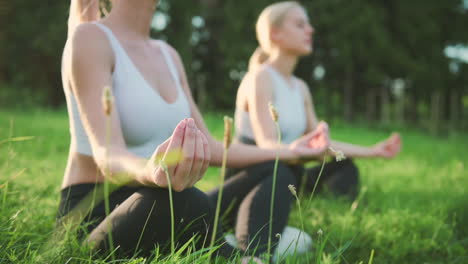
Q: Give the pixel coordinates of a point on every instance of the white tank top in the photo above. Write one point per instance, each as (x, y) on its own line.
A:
(288, 101)
(146, 119)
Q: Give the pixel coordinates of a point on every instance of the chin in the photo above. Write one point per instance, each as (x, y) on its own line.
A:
(306, 51)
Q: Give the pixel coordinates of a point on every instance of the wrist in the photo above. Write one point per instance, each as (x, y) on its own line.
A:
(144, 175)
(288, 154)
(373, 152)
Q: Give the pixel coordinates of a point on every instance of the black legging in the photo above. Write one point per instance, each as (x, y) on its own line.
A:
(140, 216)
(247, 196)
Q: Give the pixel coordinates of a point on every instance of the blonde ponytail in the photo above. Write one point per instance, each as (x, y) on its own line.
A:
(82, 11)
(258, 58)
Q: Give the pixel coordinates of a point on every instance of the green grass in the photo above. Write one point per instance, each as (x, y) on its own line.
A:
(413, 209)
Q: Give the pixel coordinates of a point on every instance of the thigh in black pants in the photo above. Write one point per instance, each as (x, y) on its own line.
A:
(246, 204)
(337, 177)
(247, 195)
(140, 218)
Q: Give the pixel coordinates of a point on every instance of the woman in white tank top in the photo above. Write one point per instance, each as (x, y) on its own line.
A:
(152, 114)
(285, 35)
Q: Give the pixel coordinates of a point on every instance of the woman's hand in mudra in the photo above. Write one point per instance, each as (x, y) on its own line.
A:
(313, 144)
(186, 156)
(388, 148)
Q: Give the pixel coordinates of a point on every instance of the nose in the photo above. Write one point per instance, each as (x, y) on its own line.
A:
(310, 29)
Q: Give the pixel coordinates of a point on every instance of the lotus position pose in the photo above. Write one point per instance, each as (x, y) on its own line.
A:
(285, 34)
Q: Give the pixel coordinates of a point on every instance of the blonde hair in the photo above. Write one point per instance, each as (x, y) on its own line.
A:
(272, 16)
(82, 11)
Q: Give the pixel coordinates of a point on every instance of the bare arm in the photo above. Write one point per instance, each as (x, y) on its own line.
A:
(388, 148)
(91, 71)
(351, 150)
(258, 96)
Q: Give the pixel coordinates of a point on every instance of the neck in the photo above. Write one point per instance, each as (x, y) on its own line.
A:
(91, 11)
(133, 17)
(283, 62)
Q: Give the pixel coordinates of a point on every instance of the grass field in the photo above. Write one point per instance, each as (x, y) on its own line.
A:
(413, 209)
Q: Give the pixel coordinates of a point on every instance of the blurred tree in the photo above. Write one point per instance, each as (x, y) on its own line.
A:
(367, 45)
(4, 9)
(376, 59)
(32, 45)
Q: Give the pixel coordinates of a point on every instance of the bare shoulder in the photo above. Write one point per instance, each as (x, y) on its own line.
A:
(88, 32)
(303, 86)
(164, 43)
(301, 83)
(261, 78)
(91, 58)
(172, 51)
(89, 40)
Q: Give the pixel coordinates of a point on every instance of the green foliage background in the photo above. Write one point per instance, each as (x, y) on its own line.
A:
(363, 46)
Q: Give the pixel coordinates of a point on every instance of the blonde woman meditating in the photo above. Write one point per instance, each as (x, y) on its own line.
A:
(285, 35)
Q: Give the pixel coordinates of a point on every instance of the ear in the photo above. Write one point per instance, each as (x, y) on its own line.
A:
(275, 34)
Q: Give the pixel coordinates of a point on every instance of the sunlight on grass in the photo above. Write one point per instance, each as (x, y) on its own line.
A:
(414, 209)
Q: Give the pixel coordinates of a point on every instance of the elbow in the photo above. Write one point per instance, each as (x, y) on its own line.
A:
(102, 157)
(263, 144)
(266, 144)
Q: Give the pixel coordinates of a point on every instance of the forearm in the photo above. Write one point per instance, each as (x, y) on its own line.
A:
(122, 167)
(242, 155)
(351, 150)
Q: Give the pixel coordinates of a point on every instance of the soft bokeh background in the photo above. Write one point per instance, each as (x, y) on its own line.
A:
(378, 61)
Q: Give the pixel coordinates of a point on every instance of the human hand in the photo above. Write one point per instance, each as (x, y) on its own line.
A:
(191, 147)
(313, 144)
(388, 148)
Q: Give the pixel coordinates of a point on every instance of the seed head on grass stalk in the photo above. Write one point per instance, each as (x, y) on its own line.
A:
(107, 100)
(320, 232)
(275, 118)
(227, 132)
(226, 144)
(292, 189)
(273, 113)
(339, 155)
(321, 246)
